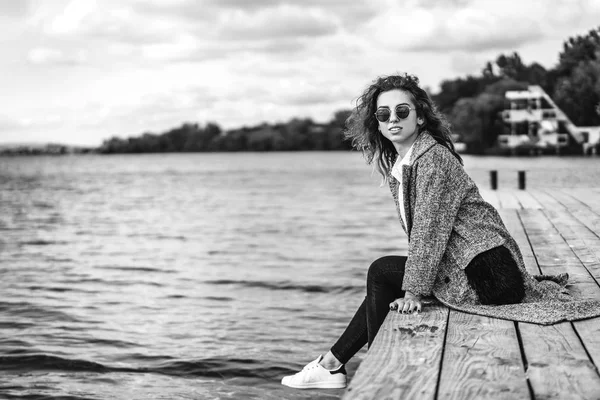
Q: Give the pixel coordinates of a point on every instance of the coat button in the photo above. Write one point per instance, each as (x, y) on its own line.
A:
(447, 280)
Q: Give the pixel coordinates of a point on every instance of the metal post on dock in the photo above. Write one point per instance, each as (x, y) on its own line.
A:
(494, 179)
(522, 180)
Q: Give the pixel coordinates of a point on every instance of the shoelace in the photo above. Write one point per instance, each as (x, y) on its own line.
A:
(307, 378)
(309, 366)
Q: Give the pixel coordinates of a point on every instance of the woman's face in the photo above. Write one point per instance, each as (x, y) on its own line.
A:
(400, 131)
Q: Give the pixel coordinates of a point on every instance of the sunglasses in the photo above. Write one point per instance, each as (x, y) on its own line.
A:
(384, 114)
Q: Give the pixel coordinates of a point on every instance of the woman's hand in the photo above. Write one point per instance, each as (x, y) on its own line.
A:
(408, 304)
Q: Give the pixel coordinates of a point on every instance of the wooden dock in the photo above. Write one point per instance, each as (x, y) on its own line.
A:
(446, 354)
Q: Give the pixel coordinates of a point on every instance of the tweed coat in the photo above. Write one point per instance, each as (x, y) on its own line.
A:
(448, 223)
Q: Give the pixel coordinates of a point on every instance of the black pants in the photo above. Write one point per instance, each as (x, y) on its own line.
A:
(493, 274)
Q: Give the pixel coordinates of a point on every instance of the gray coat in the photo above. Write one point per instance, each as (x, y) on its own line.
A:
(448, 223)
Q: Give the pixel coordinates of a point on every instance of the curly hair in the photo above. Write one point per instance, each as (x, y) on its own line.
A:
(362, 126)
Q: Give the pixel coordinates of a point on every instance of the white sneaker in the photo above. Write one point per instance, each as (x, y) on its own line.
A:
(315, 376)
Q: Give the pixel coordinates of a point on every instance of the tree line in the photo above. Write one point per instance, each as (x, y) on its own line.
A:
(296, 134)
(472, 104)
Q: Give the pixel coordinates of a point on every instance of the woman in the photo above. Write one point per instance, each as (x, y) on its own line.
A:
(459, 250)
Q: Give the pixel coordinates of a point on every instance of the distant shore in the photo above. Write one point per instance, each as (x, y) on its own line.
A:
(64, 150)
(53, 149)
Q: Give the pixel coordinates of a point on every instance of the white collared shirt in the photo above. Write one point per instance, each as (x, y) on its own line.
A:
(397, 173)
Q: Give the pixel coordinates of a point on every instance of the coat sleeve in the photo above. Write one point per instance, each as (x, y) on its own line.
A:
(440, 189)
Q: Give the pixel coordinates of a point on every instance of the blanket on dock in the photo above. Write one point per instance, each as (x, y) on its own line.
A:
(547, 301)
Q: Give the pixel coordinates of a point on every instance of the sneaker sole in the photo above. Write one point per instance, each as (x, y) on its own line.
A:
(318, 385)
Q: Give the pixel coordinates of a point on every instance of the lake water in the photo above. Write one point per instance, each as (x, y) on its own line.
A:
(195, 276)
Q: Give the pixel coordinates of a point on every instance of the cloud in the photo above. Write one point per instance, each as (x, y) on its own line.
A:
(43, 55)
(231, 20)
(444, 4)
(435, 25)
(9, 124)
(72, 16)
(153, 111)
(314, 96)
(12, 128)
(157, 21)
(117, 23)
(477, 34)
(274, 31)
(180, 10)
(248, 5)
(280, 22)
(358, 11)
(564, 15)
(466, 63)
(152, 64)
(448, 28)
(170, 32)
(188, 48)
(15, 8)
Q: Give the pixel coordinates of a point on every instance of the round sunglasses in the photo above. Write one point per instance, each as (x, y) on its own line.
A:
(402, 111)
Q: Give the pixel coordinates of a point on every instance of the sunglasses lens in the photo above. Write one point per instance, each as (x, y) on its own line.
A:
(402, 111)
(383, 115)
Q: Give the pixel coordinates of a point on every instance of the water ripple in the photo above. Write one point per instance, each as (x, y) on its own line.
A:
(30, 310)
(208, 367)
(288, 285)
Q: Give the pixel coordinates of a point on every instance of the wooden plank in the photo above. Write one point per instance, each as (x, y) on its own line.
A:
(582, 242)
(589, 332)
(572, 222)
(590, 197)
(558, 366)
(581, 211)
(554, 254)
(507, 199)
(482, 360)
(404, 359)
(527, 200)
(586, 246)
(563, 199)
(515, 228)
(573, 198)
(570, 200)
(546, 201)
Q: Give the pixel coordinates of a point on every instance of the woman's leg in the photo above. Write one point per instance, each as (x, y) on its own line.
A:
(384, 282)
(384, 285)
(353, 338)
(495, 276)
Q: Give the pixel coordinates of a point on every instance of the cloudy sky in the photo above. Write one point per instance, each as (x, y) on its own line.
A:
(81, 71)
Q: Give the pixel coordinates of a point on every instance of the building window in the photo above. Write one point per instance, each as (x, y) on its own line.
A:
(548, 115)
(522, 128)
(521, 104)
(585, 135)
(562, 127)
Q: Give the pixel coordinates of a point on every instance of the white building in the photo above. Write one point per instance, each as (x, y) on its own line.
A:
(538, 124)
